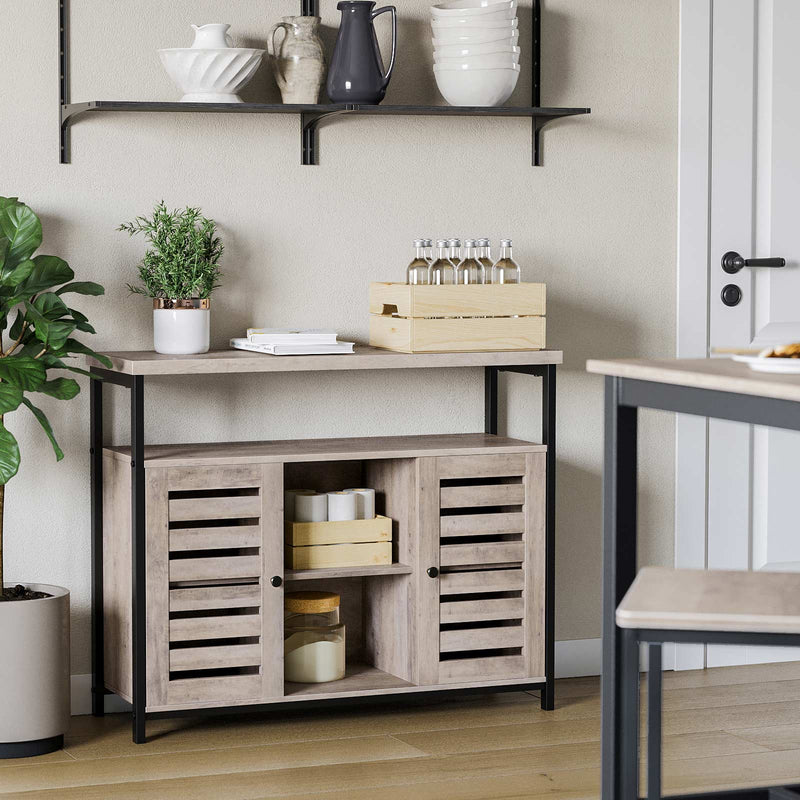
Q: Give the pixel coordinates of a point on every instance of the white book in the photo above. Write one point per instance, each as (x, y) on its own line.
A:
(293, 349)
(291, 336)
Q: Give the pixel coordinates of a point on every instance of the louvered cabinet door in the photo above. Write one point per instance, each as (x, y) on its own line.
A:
(482, 527)
(214, 620)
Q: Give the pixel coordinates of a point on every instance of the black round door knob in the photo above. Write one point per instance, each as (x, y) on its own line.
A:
(433, 572)
(276, 580)
(731, 295)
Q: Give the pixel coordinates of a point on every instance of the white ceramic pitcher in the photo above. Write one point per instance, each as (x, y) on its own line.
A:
(212, 37)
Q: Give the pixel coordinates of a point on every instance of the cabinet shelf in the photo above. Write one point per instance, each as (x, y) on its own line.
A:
(359, 679)
(346, 572)
(311, 116)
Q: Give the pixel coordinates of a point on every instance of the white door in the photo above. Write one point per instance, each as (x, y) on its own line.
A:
(752, 139)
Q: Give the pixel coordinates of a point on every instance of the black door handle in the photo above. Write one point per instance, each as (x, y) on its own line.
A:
(732, 262)
(433, 572)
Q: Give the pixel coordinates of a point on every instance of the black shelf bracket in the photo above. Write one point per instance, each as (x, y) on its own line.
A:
(311, 116)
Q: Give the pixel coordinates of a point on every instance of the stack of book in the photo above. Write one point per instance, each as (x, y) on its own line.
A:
(288, 342)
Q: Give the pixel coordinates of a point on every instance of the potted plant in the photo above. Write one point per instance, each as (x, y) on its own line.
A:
(36, 336)
(179, 271)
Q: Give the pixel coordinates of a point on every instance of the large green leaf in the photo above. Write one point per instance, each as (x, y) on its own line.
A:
(23, 230)
(82, 287)
(50, 305)
(14, 277)
(10, 397)
(74, 346)
(48, 429)
(48, 271)
(9, 455)
(26, 373)
(53, 334)
(62, 388)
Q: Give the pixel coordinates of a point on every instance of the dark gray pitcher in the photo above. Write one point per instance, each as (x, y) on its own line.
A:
(356, 73)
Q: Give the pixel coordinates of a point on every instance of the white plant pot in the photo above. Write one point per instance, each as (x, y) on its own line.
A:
(182, 330)
(34, 673)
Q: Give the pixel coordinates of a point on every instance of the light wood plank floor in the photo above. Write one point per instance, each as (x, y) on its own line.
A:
(735, 726)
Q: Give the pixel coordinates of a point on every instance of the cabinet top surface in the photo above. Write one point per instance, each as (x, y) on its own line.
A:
(719, 374)
(132, 362)
(295, 450)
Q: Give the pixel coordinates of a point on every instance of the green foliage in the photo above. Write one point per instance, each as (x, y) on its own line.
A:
(40, 337)
(183, 262)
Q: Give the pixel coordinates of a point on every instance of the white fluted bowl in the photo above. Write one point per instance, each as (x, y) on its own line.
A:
(475, 8)
(472, 24)
(468, 36)
(211, 76)
(467, 50)
(476, 86)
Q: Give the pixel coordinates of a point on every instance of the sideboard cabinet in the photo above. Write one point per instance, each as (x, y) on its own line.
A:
(462, 604)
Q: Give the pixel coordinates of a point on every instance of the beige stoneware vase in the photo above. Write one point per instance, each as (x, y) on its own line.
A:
(299, 60)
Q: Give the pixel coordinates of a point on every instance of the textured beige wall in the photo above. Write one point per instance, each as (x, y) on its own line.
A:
(597, 223)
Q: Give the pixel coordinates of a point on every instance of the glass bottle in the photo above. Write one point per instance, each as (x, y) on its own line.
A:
(506, 269)
(418, 271)
(485, 257)
(442, 271)
(455, 251)
(470, 270)
(429, 250)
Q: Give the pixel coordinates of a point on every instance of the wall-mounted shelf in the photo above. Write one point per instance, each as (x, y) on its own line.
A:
(311, 116)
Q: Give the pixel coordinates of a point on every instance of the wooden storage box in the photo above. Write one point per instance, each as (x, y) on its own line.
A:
(442, 319)
(302, 534)
(323, 556)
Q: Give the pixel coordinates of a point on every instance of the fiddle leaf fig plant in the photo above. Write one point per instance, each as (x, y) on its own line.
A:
(36, 334)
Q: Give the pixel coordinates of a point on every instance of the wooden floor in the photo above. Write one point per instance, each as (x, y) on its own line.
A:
(736, 726)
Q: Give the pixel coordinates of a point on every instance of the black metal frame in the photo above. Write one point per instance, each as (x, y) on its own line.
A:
(623, 398)
(135, 384)
(311, 116)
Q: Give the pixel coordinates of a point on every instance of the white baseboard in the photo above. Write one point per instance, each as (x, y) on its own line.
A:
(574, 659)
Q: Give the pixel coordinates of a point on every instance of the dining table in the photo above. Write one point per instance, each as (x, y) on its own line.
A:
(708, 387)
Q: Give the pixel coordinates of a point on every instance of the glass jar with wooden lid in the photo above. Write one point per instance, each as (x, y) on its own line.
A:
(313, 637)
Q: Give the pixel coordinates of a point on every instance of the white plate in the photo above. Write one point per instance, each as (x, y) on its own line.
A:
(784, 366)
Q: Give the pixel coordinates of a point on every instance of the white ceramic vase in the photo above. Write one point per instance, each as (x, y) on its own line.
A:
(181, 327)
(34, 673)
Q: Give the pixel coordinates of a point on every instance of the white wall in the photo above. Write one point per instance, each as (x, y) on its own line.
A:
(597, 223)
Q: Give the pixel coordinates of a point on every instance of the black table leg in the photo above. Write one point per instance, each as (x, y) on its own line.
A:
(138, 598)
(549, 438)
(619, 568)
(629, 707)
(96, 473)
(654, 721)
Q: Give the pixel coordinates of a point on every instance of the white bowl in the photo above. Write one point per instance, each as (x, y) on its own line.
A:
(474, 8)
(459, 36)
(476, 87)
(211, 76)
(471, 24)
(467, 50)
(486, 61)
(474, 22)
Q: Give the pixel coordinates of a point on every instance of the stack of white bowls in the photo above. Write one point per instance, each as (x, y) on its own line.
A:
(475, 52)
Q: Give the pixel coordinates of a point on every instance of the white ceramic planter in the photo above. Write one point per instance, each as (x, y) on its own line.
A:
(184, 329)
(34, 673)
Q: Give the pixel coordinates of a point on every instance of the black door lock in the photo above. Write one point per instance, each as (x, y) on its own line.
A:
(731, 295)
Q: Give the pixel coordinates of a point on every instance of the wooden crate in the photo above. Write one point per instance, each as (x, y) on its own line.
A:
(320, 556)
(441, 319)
(303, 534)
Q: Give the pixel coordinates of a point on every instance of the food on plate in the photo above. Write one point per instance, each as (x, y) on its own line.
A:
(781, 351)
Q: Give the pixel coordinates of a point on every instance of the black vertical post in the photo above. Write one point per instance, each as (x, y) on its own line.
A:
(138, 597)
(629, 706)
(309, 8)
(96, 480)
(654, 722)
(536, 76)
(490, 381)
(619, 567)
(63, 78)
(549, 438)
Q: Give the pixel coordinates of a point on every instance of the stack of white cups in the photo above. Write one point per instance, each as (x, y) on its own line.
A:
(306, 505)
(475, 52)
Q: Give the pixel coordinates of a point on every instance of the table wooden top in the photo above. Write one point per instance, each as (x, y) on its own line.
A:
(718, 374)
(712, 600)
(131, 362)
